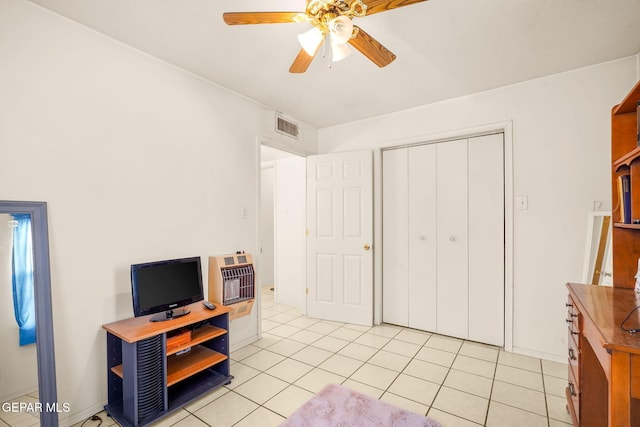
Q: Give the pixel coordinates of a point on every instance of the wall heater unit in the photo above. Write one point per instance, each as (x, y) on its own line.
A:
(232, 283)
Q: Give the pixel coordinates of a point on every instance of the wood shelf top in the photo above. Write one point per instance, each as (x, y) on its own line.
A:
(627, 226)
(630, 103)
(197, 359)
(118, 370)
(185, 365)
(627, 158)
(198, 336)
(607, 307)
(138, 328)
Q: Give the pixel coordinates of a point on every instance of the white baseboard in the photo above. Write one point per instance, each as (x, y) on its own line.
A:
(77, 417)
(240, 344)
(541, 355)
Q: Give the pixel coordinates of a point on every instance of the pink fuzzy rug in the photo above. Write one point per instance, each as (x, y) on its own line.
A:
(337, 406)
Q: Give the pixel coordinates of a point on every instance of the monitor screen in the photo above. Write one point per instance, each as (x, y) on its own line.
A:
(164, 286)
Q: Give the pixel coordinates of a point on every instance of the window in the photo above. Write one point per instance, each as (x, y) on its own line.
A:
(22, 278)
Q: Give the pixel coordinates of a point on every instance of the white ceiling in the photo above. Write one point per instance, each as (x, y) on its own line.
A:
(444, 48)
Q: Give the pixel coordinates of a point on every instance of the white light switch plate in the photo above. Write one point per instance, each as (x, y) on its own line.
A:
(522, 203)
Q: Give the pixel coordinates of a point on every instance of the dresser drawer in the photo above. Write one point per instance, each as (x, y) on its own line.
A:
(573, 397)
(574, 321)
(573, 356)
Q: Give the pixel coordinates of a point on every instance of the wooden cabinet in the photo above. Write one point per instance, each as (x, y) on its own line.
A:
(604, 361)
(443, 238)
(155, 368)
(625, 155)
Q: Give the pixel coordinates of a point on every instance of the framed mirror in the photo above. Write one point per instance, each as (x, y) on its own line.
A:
(598, 262)
(46, 373)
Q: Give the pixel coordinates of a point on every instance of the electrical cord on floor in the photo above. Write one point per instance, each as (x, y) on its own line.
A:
(92, 418)
(631, 331)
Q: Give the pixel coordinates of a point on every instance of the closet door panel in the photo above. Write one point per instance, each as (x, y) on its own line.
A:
(452, 240)
(395, 250)
(486, 239)
(422, 237)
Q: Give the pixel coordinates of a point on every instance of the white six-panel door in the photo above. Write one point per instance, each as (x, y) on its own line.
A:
(340, 237)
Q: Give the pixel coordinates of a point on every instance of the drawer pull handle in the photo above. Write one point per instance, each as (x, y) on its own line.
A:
(568, 304)
(572, 354)
(569, 320)
(572, 389)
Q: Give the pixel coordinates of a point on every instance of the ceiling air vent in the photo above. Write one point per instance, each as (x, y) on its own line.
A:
(287, 127)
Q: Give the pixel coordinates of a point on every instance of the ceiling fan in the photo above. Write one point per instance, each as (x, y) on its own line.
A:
(332, 18)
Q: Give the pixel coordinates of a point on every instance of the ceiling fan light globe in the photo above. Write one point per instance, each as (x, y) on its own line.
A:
(341, 29)
(339, 51)
(310, 40)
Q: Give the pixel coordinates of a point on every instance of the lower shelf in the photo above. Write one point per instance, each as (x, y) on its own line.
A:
(195, 386)
(181, 367)
(179, 395)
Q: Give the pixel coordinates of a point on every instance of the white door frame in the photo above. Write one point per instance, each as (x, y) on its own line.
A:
(502, 127)
(268, 142)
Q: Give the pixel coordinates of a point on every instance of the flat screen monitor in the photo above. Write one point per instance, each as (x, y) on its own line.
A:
(163, 287)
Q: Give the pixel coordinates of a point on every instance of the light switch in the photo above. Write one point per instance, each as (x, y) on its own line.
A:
(522, 203)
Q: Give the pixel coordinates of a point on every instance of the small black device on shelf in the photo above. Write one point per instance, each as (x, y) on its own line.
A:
(163, 287)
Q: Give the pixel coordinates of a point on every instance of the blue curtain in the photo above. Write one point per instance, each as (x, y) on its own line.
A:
(22, 279)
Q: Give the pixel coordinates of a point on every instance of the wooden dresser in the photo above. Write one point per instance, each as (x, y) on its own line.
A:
(604, 361)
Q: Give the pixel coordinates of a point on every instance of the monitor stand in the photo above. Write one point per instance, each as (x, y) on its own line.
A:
(169, 314)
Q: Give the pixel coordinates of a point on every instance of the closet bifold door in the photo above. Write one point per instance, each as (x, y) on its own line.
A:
(422, 237)
(394, 237)
(452, 241)
(486, 239)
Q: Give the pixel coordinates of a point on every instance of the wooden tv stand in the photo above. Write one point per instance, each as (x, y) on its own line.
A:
(147, 379)
(604, 360)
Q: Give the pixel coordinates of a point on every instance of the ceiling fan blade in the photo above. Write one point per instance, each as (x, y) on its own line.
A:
(371, 48)
(303, 60)
(301, 63)
(376, 6)
(242, 18)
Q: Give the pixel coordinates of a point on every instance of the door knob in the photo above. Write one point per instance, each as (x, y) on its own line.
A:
(452, 238)
(366, 247)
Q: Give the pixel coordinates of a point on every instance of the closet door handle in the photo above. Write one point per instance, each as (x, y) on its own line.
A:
(452, 238)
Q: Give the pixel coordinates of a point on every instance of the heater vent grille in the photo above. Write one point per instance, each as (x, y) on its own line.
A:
(287, 127)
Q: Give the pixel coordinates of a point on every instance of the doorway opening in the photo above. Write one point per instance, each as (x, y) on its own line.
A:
(282, 226)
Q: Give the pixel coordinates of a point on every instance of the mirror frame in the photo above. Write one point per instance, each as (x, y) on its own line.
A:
(47, 392)
(596, 252)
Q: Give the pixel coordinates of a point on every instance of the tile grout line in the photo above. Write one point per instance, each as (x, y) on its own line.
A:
(377, 350)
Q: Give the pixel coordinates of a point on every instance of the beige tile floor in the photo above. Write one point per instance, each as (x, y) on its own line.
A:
(458, 383)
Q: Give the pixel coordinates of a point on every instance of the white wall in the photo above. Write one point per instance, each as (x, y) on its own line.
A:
(290, 226)
(138, 161)
(561, 161)
(267, 256)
